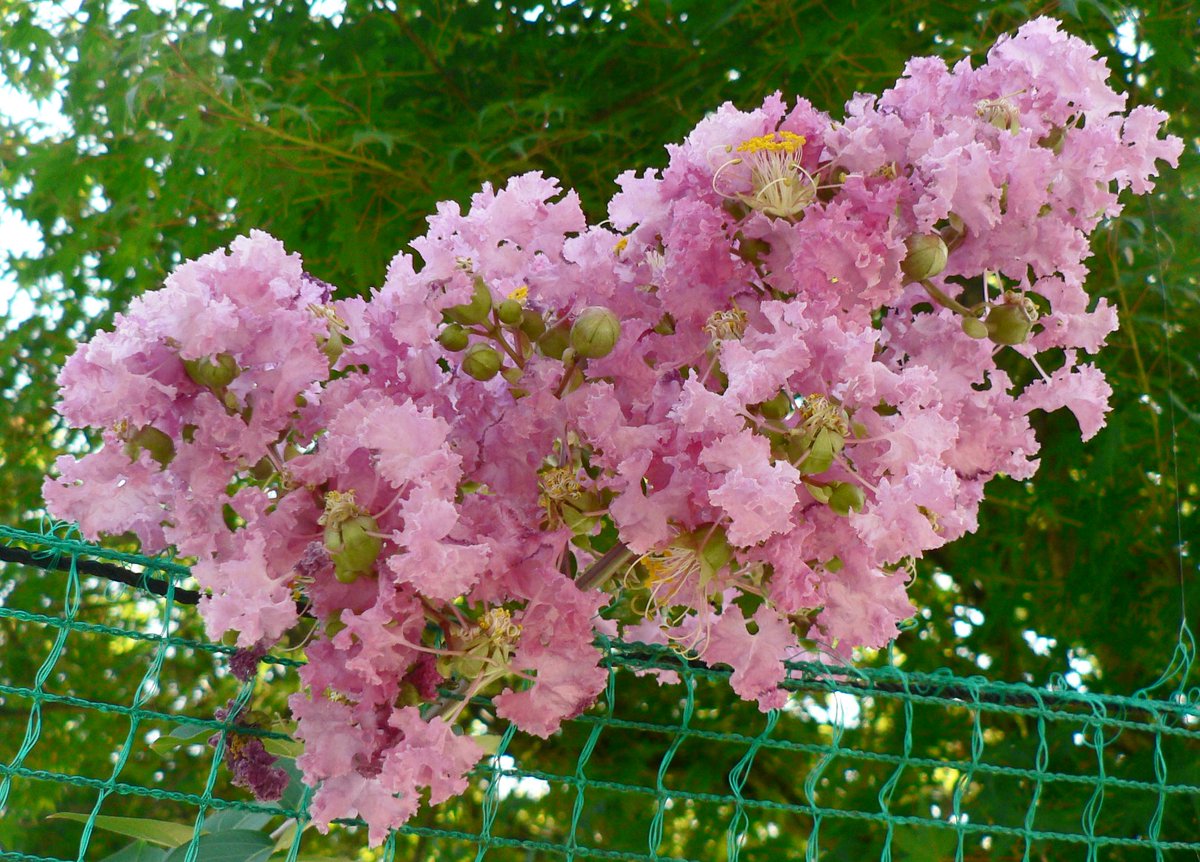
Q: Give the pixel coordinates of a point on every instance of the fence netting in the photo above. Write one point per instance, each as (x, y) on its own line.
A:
(108, 726)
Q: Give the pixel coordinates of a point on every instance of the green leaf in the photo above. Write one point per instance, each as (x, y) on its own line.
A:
(236, 845)
(184, 734)
(159, 832)
(223, 821)
(283, 747)
(139, 851)
(295, 789)
(373, 136)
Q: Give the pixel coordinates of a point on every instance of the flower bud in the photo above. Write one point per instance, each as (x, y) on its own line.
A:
(481, 361)
(509, 312)
(475, 311)
(846, 496)
(212, 372)
(353, 547)
(532, 324)
(149, 439)
(555, 340)
(454, 337)
(974, 327)
(1011, 321)
(926, 256)
(777, 408)
(595, 332)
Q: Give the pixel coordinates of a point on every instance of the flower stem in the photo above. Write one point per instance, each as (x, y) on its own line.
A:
(598, 573)
(943, 300)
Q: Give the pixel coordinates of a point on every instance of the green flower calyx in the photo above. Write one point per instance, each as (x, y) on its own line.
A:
(1010, 320)
(595, 332)
(927, 253)
(475, 311)
(213, 372)
(454, 337)
(351, 536)
(481, 361)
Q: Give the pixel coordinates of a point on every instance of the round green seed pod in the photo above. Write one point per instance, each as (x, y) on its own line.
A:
(212, 372)
(454, 337)
(481, 361)
(974, 327)
(556, 340)
(509, 312)
(352, 547)
(595, 332)
(847, 496)
(532, 324)
(475, 311)
(1008, 324)
(927, 253)
(777, 408)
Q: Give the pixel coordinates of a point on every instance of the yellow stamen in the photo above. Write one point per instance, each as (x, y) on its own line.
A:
(559, 486)
(776, 142)
(327, 313)
(621, 244)
(520, 294)
(559, 483)
(820, 412)
(339, 508)
(725, 325)
(779, 184)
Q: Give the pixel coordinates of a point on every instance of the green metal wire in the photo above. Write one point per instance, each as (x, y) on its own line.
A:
(653, 813)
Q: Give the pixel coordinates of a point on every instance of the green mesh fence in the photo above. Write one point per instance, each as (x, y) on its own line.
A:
(862, 764)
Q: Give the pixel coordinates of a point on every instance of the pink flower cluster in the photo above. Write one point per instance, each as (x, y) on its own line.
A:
(726, 419)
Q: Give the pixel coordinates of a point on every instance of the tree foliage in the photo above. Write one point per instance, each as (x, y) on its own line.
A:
(340, 133)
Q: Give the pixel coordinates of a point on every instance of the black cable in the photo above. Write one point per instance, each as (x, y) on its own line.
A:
(57, 562)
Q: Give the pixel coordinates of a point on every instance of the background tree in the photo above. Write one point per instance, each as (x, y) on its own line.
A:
(339, 131)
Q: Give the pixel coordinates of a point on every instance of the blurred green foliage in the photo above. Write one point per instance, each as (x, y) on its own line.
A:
(338, 132)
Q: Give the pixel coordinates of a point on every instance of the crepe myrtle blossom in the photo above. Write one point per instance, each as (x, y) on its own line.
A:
(749, 399)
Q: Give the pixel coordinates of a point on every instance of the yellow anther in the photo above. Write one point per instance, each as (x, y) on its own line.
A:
(776, 142)
(520, 294)
(724, 325)
(339, 508)
(621, 244)
(819, 412)
(558, 484)
(327, 313)
(779, 185)
(496, 626)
